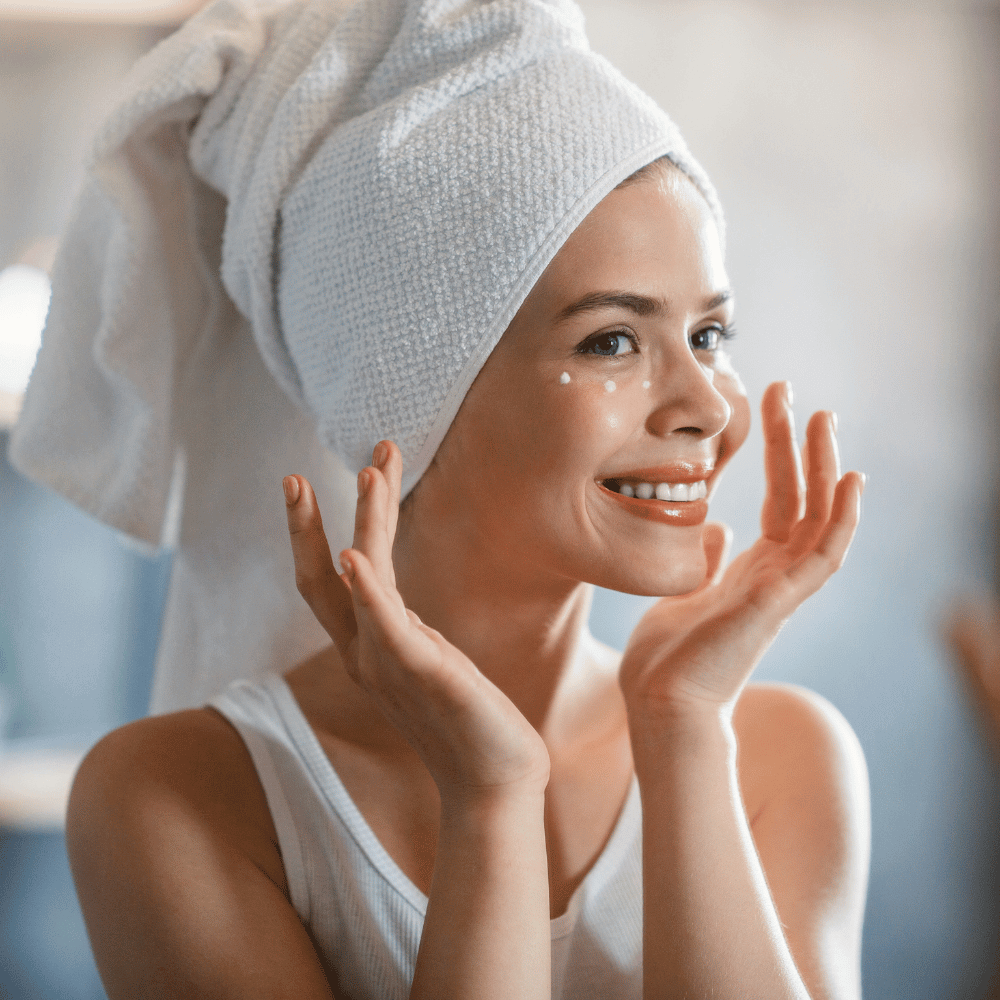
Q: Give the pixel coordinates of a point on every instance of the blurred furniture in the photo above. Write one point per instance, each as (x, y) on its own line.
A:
(34, 786)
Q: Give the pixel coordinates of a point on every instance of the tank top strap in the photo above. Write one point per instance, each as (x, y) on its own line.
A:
(242, 704)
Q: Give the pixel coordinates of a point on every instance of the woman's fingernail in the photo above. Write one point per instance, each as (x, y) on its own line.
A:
(864, 480)
(788, 393)
(291, 487)
(379, 455)
(348, 567)
(363, 483)
(834, 421)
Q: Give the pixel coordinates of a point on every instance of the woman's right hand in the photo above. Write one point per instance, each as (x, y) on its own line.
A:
(470, 736)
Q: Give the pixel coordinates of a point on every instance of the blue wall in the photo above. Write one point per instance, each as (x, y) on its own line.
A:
(79, 619)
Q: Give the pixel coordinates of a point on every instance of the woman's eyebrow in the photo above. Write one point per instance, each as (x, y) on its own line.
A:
(641, 305)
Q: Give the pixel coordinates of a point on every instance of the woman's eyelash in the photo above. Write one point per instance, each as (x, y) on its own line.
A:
(608, 343)
(718, 333)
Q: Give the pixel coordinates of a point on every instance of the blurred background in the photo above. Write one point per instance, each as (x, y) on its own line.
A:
(856, 149)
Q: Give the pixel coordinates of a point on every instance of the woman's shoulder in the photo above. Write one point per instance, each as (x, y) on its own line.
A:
(795, 747)
(189, 769)
(779, 719)
(177, 870)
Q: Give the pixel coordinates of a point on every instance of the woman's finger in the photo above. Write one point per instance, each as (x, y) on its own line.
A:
(813, 569)
(380, 612)
(315, 574)
(388, 459)
(717, 540)
(784, 501)
(371, 535)
(824, 474)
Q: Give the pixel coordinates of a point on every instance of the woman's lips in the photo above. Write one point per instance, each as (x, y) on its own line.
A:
(681, 513)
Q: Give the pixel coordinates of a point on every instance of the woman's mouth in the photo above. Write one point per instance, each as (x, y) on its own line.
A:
(671, 492)
(680, 504)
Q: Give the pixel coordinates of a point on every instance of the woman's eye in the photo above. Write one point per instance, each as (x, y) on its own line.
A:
(711, 338)
(608, 345)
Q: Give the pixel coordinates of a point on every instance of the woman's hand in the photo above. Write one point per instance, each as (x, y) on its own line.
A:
(695, 653)
(470, 736)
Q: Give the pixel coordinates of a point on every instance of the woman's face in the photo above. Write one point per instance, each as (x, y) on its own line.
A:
(611, 383)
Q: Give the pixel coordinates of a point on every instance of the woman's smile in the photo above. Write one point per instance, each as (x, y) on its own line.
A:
(673, 494)
(672, 508)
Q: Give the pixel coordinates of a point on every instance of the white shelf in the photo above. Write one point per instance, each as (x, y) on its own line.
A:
(153, 12)
(10, 407)
(34, 788)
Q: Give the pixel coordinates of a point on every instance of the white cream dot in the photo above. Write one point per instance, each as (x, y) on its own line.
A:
(609, 386)
(646, 384)
(564, 378)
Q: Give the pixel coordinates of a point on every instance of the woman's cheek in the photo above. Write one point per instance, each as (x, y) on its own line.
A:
(588, 403)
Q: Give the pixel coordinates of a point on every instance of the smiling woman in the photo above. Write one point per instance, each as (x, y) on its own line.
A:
(462, 793)
(630, 298)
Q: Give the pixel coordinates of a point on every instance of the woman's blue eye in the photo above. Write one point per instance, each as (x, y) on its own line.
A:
(608, 345)
(711, 338)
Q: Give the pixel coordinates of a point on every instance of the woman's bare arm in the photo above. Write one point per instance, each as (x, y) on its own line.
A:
(712, 925)
(766, 898)
(179, 879)
(804, 786)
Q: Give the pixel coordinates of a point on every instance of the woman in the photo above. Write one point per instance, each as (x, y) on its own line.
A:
(466, 795)
(495, 790)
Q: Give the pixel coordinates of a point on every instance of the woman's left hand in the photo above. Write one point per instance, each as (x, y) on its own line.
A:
(695, 653)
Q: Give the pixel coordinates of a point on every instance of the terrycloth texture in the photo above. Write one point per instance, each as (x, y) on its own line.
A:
(394, 177)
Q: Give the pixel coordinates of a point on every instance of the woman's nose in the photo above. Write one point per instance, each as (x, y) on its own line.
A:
(686, 401)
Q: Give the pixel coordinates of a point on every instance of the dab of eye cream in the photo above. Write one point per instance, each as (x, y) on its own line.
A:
(564, 378)
(646, 384)
(609, 386)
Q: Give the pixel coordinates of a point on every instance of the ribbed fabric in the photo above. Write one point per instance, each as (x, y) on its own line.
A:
(365, 916)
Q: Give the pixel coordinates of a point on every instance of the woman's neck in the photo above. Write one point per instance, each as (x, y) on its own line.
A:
(528, 634)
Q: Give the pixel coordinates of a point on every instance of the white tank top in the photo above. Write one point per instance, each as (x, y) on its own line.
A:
(365, 916)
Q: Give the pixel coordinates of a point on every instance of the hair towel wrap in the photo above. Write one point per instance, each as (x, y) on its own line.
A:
(305, 227)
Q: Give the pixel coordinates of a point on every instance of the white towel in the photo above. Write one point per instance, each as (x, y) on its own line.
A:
(379, 187)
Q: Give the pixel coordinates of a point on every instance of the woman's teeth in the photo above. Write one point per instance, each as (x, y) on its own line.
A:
(671, 492)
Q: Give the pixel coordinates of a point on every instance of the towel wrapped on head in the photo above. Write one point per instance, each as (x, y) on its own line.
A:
(306, 225)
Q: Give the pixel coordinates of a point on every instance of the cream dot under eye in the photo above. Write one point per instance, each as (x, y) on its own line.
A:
(564, 378)
(609, 386)
(646, 384)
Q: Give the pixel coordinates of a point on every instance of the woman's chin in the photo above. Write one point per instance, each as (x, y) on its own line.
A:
(675, 574)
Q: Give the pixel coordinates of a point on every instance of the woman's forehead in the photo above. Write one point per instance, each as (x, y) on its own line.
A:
(655, 239)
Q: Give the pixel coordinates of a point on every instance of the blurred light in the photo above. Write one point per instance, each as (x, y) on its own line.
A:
(24, 304)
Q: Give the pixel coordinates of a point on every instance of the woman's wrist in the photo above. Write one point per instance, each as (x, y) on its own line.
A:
(681, 731)
(471, 806)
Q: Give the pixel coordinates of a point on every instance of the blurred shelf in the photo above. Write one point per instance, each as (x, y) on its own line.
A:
(34, 788)
(108, 12)
(10, 407)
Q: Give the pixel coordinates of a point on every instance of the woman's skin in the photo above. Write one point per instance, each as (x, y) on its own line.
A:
(492, 764)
